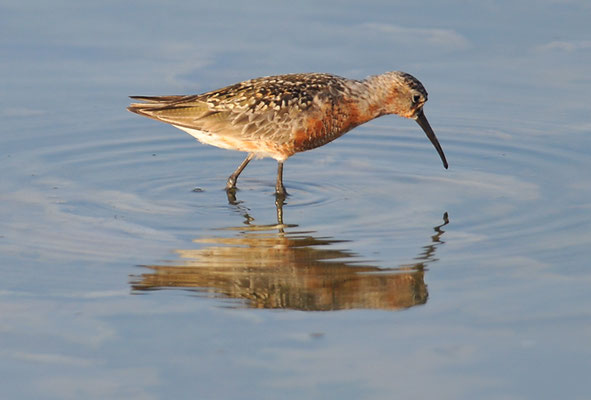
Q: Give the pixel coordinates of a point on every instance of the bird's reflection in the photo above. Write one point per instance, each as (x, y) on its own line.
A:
(278, 266)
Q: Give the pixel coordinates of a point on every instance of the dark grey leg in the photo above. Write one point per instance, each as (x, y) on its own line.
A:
(279, 188)
(231, 184)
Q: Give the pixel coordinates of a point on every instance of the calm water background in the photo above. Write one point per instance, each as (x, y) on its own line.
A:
(127, 274)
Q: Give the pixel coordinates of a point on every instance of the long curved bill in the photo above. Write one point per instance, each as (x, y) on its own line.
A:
(422, 121)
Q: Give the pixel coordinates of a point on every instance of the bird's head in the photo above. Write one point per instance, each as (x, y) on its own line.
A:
(405, 95)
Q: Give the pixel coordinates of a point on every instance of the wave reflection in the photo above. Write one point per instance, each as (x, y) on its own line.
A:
(277, 266)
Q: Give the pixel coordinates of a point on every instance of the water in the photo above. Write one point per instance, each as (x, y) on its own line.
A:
(128, 273)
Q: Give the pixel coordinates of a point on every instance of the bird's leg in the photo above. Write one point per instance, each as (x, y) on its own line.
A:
(231, 184)
(279, 188)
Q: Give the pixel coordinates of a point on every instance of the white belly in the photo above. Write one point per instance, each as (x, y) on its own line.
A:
(230, 143)
(210, 138)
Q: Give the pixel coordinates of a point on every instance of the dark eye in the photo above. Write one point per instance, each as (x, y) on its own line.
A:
(416, 98)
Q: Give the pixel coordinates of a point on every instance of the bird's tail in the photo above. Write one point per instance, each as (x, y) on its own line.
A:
(151, 103)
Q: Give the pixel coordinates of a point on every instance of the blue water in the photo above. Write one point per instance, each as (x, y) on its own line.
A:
(127, 273)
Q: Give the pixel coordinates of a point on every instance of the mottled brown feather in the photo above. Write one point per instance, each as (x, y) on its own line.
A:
(278, 116)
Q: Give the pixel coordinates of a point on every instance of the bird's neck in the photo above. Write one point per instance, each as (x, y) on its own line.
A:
(369, 97)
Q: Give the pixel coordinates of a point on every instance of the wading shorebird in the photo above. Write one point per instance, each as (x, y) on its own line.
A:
(278, 116)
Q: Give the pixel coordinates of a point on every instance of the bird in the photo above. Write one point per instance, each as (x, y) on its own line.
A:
(279, 116)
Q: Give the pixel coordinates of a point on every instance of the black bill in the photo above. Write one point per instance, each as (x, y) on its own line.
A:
(422, 121)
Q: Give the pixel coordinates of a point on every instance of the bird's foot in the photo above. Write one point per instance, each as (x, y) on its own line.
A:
(280, 192)
(231, 193)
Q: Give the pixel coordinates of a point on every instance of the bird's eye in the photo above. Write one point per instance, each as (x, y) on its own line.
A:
(416, 98)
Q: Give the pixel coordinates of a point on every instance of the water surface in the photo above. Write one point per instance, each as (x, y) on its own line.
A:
(127, 272)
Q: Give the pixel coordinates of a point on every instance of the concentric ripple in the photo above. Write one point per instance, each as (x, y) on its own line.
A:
(379, 187)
